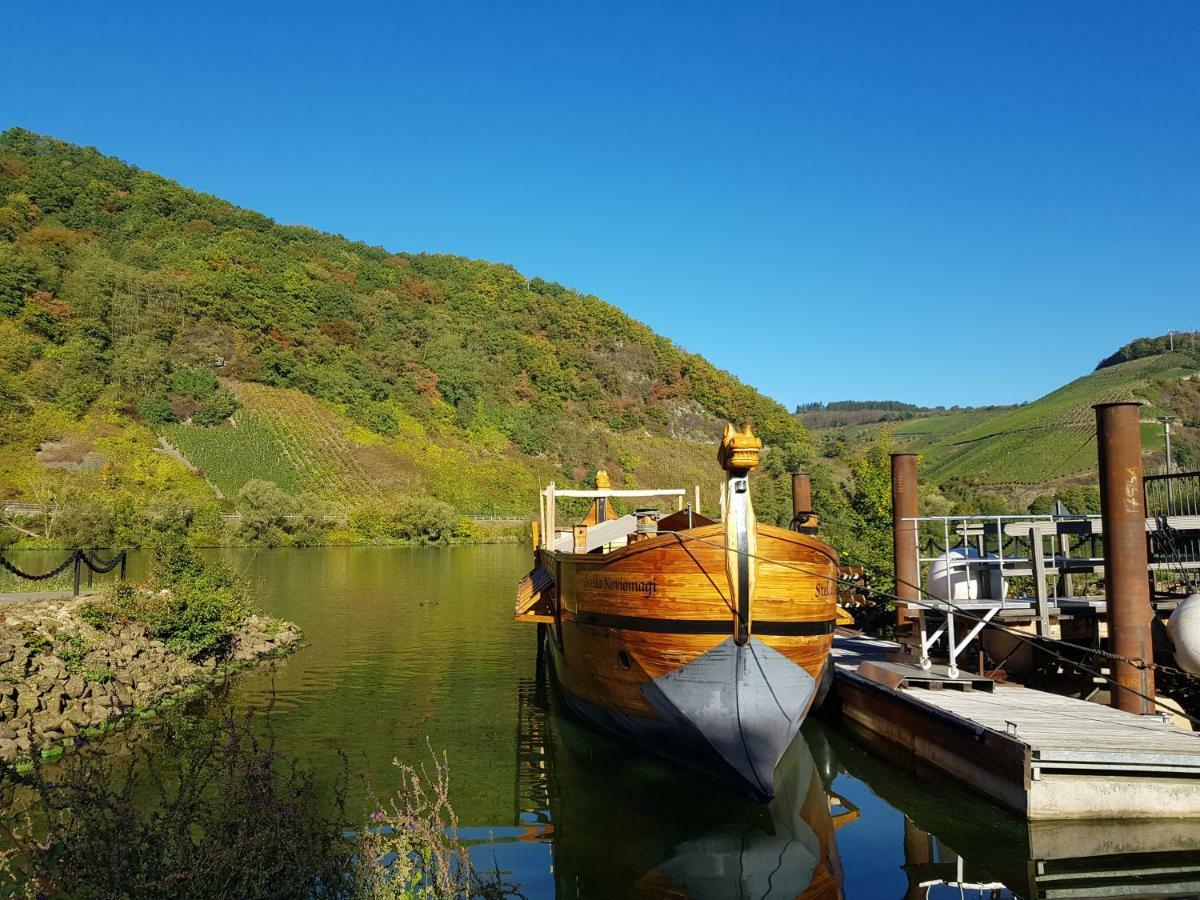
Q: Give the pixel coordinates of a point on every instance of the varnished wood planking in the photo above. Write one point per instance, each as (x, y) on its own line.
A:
(673, 578)
(664, 577)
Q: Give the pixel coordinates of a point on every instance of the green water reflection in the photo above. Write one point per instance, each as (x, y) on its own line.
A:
(409, 648)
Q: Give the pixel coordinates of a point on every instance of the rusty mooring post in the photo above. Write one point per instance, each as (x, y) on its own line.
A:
(1126, 588)
(904, 533)
(803, 519)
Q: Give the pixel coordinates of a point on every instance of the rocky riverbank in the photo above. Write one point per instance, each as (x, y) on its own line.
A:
(62, 678)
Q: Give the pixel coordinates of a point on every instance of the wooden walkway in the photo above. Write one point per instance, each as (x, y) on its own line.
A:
(1042, 755)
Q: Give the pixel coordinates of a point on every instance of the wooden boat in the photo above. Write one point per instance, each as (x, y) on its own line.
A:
(704, 642)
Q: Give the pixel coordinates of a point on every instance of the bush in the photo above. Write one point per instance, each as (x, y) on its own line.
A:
(155, 411)
(1078, 499)
(86, 525)
(78, 394)
(72, 649)
(375, 416)
(209, 809)
(264, 508)
(194, 383)
(191, 605)
(316, 515)
(139, 365)
(216, 409)
(423, 521)
(408, 519)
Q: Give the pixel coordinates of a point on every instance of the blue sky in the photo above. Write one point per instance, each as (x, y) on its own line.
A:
(947, 203)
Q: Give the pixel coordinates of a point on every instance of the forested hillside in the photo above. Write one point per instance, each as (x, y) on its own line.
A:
(164, 348)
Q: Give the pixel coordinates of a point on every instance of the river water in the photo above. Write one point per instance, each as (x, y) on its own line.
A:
(412, 649)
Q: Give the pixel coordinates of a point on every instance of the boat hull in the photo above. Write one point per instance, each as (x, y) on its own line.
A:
(642, 643)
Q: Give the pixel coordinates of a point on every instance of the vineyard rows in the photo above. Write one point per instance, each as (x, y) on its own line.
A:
(1048, 439)
(311, 436)
(281, 436)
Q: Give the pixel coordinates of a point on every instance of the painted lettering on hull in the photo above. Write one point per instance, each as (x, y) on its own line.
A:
(596, 582)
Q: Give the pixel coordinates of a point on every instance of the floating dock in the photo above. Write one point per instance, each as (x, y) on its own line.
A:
(1041, 755)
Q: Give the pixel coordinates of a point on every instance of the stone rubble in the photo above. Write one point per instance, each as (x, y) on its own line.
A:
(46, 701)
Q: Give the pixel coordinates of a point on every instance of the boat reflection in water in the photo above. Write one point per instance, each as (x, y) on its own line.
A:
(624, 824)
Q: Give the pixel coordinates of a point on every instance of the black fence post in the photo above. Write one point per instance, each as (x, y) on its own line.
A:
(78, 563)
(123, 557)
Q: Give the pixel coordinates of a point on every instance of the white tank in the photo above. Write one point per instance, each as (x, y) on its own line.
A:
(960, 574)
(1184, 628)
(1005, 647)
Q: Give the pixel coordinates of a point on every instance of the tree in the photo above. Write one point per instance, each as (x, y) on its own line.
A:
(86, 523)
(869, 499)
(155, 410)
(216, 409)
(194, 383)
(264, 508)
(18, 278)
(140, 365)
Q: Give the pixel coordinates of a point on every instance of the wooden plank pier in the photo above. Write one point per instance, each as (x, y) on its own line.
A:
(1042, 755)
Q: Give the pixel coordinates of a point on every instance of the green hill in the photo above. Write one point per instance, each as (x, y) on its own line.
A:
(1026, 449)
(164, 347)
(1018, 458)
(1051, 438)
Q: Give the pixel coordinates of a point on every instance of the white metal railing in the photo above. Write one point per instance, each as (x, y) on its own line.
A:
(549, 497)
(979, 554)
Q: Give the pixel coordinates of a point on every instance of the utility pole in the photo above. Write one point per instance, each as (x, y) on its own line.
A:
(1166, 424)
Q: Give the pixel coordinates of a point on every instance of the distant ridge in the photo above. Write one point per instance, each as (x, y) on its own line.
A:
(1145, 346)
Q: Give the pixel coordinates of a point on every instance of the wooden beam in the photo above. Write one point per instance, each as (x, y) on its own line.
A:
(612, 492)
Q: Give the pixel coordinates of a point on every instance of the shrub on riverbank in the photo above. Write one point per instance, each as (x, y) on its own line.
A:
(228, 818)
(213, 810)
(191, 605)
(413, 520)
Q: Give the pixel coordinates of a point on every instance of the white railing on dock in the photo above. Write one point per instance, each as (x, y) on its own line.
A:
(975, 562)
(968, 563)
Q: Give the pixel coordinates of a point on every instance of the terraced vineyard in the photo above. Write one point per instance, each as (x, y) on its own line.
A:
(1048, 439)
(230, 455)
(311, 437)
(302, 444)
(283, 436)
